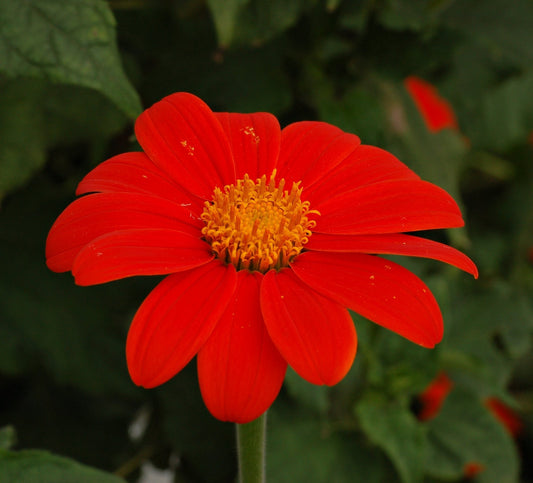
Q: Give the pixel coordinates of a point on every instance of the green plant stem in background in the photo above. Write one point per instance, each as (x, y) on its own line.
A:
(251, 450)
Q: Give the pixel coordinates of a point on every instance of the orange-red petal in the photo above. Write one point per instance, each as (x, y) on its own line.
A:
(311, 149)
(255, 142)
(182, 136)
(175, 320)
(392, 244)
(314, 334)
(388, 207)
(378, 289)
(134, 173)
(98, 214)
(509, 419)
(472, 469)
(433, 397)
(239, 368)
(436, 111)
(128, 253)
(366, 165)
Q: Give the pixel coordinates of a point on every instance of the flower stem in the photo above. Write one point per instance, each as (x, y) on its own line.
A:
(251, 450)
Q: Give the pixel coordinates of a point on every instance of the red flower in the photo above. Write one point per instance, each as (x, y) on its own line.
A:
(266, 236)
(472, 469)
(509, 419)
(432, 398)
(436, 111)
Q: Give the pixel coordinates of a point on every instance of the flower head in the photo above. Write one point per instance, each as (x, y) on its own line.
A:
(436, 111)
(267, 237)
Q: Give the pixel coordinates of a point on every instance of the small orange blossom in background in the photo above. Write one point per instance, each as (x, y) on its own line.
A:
(267, 237)
(433, 397)
(438, 114)
(436, 111)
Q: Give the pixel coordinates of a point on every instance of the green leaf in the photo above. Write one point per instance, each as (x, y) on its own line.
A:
(332, 5)
(354, 15)
(408, 15)
(391, 426)
(22, 150)
(358, 112)
(492, 327)
(307, 394)
(503, 117)
(473, 70)
(77, 334)
(33, 466)
(193, 432)
(254, 22)
(246, 81)
(64, 41)
(36, 116)
(505, 31)
(465, 432)
(237, 80)
(300, 448)
(8, 437)
(404, 368)
(77, 114)
(225, 14)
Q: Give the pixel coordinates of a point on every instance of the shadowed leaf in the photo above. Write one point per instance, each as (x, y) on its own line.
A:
(65, 41)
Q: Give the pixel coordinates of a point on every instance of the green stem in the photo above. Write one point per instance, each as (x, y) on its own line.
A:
(251, 450)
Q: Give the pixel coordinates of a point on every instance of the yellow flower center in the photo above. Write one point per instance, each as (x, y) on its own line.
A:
(257, 225)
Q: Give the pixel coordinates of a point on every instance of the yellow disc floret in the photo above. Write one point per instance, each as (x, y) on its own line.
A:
(257, 225)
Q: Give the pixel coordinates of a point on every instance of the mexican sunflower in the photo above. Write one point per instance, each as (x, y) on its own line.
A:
(266, 236)
(436, 111)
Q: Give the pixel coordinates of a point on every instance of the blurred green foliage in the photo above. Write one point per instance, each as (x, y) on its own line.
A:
(71, 76)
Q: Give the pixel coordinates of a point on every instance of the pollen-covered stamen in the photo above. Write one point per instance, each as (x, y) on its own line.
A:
(256, 225)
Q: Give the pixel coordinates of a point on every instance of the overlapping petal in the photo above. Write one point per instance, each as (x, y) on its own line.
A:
(182, 136)
(378, 289)
(389, 207)
(134, 173)
(128, 253)
(366, 165)
(311, 149)
(98, 214)
(239, 368)
(175, 321)
(393, 244)
(314, 334)
(255, 142)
